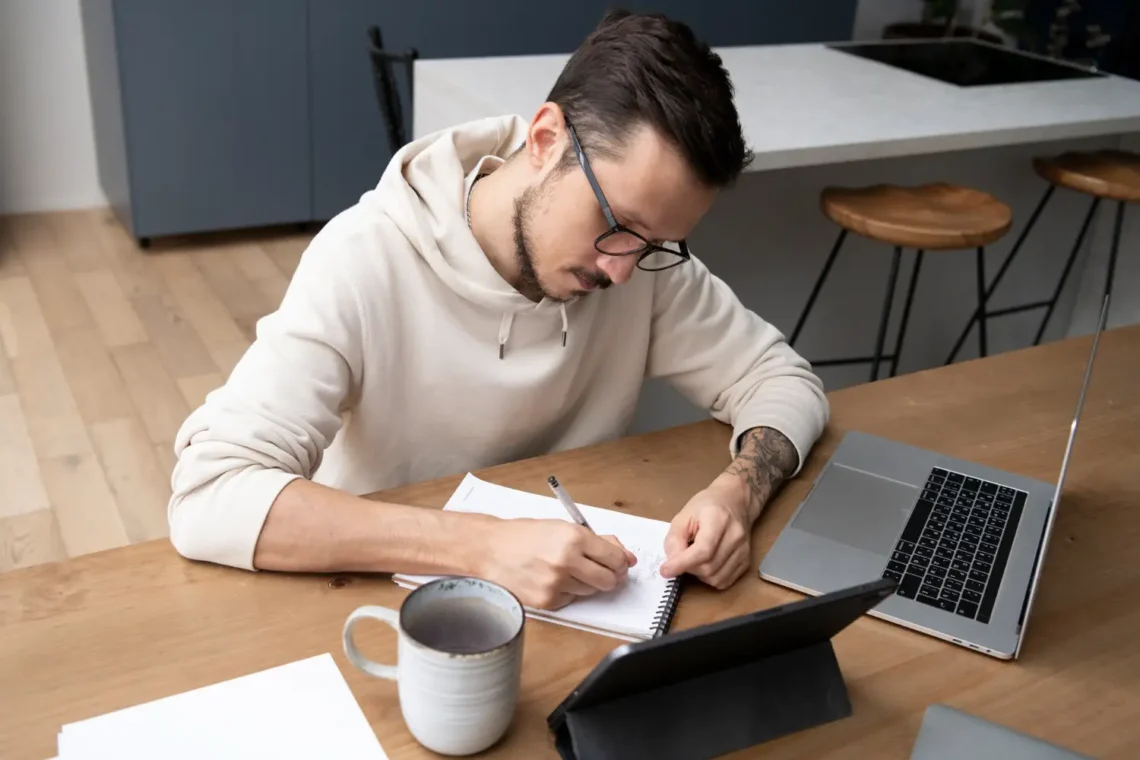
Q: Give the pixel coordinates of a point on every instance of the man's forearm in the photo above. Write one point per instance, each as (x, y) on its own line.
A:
(314, 528)
(765, 459)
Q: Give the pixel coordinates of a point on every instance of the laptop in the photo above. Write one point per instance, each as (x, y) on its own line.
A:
(964, 541)
(950, 734)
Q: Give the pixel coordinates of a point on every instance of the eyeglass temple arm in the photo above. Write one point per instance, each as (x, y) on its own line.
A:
(590, 176)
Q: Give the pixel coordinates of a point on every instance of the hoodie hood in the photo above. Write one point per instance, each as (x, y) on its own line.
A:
(424, 193)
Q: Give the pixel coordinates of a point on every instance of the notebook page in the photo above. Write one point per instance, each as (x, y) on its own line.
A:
(630, 609)
(300, 710)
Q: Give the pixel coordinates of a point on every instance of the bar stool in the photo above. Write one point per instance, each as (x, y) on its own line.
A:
(936, 216)
(1104, 175)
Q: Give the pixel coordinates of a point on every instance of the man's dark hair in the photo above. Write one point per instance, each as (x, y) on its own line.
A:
(644, 68)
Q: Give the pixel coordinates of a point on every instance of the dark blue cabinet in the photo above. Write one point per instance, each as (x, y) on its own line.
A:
(201, 111)
(217, 114)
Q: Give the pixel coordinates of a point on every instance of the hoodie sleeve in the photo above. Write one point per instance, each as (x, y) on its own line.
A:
(725, 358)
(276, 414)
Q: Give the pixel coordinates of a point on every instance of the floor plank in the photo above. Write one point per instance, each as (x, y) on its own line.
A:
(7, 382)
(84, 506)
(194, 389)
(30, 539)
(31, 232)
(156, 398)
(75, 234)
(286, 252)
(242, 300)
(164, 453)
(22, 325)
(104, 350)
(53, 419)
(117, 321)
(135, 477)
(11, 265)
(20, 476)
(203, 309)
(60, 301)
(96, 384)
(178, 344)
(133, 268)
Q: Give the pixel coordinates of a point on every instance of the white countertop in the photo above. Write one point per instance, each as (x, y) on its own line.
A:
(806, 104)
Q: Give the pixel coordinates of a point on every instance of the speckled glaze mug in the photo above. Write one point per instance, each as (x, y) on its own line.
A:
(459, 661)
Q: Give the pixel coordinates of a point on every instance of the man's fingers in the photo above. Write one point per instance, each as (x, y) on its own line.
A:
(702, 550)
(609, 552)
(731, 570)
(677, 539)
(630, 557)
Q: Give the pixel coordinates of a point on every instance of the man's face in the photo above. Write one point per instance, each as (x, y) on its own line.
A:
(649, 187)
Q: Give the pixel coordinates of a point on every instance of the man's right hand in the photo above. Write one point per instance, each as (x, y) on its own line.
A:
(549, 563)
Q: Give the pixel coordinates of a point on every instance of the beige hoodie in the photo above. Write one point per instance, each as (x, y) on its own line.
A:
(399, 354)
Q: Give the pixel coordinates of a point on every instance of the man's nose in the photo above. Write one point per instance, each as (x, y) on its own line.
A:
(617, 268)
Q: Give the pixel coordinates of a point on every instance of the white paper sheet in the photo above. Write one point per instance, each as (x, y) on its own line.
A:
(300, 710)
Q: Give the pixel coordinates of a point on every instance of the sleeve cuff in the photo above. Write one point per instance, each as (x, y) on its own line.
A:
(802, 433)
(224, 525)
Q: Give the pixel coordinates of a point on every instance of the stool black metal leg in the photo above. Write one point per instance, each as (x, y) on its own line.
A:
(906, 312)
(1052, 303)
(818, 284)
(1002, 270)
(894, 276)
(982, 350)
(1116, 229)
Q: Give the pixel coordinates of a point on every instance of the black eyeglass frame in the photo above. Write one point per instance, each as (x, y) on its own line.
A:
(647, 249)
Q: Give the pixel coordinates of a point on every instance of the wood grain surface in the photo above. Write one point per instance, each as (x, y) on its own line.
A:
(937, 216)
(111, 629)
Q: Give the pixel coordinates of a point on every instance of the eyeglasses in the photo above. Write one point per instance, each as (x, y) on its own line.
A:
(619, 240)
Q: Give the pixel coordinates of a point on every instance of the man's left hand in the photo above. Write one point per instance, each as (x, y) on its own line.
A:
(710, 537)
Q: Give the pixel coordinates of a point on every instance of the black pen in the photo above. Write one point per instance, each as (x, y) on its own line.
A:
(568, 503)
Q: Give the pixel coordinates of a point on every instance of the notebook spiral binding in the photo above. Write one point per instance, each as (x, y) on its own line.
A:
(668, 607)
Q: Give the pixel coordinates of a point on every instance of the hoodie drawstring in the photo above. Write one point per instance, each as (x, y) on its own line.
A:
(508, 320)
(505, 331)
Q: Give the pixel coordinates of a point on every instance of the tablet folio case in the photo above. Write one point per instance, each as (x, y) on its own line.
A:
(712, 714)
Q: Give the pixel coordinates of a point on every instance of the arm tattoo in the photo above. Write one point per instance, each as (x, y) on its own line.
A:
(766, 459)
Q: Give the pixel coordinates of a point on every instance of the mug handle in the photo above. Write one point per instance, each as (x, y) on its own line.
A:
(376, 669)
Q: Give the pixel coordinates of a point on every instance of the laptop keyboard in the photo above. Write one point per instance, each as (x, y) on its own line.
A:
(954, 548)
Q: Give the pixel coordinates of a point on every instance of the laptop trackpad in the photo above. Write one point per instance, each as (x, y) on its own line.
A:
(858, 509)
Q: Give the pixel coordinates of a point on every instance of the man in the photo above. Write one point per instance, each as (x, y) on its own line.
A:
(461, 315)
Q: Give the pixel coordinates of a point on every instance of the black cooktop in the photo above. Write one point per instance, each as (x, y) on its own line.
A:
(966, 63)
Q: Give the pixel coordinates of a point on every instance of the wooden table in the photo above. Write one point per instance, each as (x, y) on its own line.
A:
(105, 631)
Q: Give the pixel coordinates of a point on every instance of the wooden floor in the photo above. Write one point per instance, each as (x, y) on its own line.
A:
(104, 350)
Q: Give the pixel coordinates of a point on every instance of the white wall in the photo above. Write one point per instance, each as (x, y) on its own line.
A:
(47, 142)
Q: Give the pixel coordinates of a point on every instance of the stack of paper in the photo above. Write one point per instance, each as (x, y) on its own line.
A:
(300, 710)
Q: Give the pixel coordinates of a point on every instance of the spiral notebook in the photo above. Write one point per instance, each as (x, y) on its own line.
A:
(642, 608)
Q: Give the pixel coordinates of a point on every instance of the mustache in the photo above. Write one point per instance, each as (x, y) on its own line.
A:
(597, 279)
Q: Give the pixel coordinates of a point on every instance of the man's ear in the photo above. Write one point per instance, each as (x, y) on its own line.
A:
(547, 138)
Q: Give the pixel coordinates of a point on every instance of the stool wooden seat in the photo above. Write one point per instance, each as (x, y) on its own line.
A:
(1112, 174)
(936, 216)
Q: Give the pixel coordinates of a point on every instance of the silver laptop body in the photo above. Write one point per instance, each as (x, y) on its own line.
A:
(963, 540)
(950, 734)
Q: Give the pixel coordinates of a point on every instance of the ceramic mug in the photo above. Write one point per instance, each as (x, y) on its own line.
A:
(459, 661)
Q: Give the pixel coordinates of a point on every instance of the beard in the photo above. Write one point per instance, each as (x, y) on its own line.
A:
(529, 282)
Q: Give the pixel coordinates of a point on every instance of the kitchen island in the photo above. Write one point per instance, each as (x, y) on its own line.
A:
(817, 115)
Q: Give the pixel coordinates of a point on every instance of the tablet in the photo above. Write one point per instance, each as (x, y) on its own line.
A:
(638, 675)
